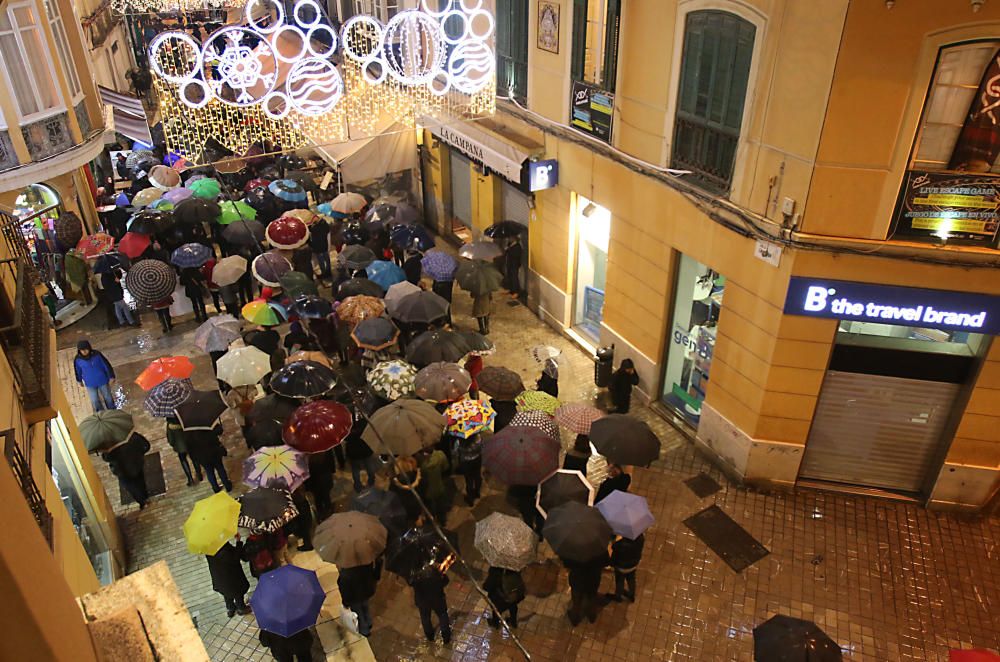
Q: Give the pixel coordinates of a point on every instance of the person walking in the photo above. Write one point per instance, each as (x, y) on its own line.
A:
(622, 381)
(359, 453)
(228, 578)
(127, 461)
(617, 479)
(625, 557)
(94, 372)
(468, 455)
(213, 289)
(584, 583)
(177, 439)
(294, 648)
(162, 309)
(194, 289)
(357, 586)
(205, 447)
(482, 306)
(506, 590)
(111, 283)
(428, 594)
(230, 300)
(412, 267)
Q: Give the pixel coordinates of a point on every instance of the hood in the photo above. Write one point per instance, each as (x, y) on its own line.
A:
(83, 345)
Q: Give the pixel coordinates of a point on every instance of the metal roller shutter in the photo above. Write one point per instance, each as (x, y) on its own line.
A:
(515, 205)
(461, 191)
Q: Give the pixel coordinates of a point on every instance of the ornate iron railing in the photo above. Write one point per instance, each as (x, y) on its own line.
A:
(707, 151)
(24, 337)
(17, 458)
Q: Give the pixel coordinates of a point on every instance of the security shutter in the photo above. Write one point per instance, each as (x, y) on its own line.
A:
(877, 431)
(515, 205)
(461, 192)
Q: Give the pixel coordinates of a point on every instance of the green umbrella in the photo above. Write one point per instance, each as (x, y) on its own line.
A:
(296, 283)
(478, 277)
(105, 429)
(205, 188)
(234, 211)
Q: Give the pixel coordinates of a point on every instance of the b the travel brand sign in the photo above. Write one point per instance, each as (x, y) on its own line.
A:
(887, 304)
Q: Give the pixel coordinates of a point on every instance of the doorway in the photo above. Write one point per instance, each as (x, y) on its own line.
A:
(593, 226)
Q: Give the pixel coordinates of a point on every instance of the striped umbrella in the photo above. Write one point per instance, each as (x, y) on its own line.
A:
(469, 417)
(165, 397)
(276, 466)
(577, 417)
(150, 281)
(288, 190)
(536, 401)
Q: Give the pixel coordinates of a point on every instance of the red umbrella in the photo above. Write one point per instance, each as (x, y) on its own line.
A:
(134, 244)
(256, 183)
(317, 426)
(287, 233)
(163, 368)
(972, 655)
(521, 455)
(95, 244)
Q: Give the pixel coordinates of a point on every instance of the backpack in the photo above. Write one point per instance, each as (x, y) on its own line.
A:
(261, 559)
(512, 587)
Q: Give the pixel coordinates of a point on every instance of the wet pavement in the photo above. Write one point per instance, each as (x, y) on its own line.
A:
(886, 580)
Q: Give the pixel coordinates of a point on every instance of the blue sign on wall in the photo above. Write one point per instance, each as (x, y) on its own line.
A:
(888, 304)
(543, 174)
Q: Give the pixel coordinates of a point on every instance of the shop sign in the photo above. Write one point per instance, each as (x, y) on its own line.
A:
(887, 304)
(496, 155)
(543, 175)
(592, 110)
(956, 207)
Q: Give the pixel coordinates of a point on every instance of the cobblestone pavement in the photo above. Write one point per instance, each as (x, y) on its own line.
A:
(886, 580)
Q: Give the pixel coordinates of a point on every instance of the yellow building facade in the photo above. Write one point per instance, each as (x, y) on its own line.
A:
(703, 271)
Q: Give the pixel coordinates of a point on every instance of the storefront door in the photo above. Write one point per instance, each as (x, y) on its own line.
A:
(461, 197)
(593, 225)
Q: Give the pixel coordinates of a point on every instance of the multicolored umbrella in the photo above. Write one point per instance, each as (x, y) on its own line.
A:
(318, 426)
(625, 440)
(191, 255)
(288, 190)
(296, 283)
(217, 333)
(231, 211)
(628, 515)
(243, 366)
(440, 266)
(536, 419)
(150, 281)
(385, 274)
(164, 368)
(264, 313)
(164, 398)
(563, 486)
(146, 197)
(228, 270)
(266, 509)
(404, 427)
(577, 417)
(355, 257)
(536, 401)
(392, 379)
(350, 539)
(506, 542)
(201, 410)
(287, 600)
(421, 307)
(359, 287)
(134, 244)
(276, 466)
(375, 333)
(442, 382)
(521, 455)
(105, 429)
(287, 233)
(244, 233)
(436, 345)
(268, 268)
(469, 417)
(577, 532)
(212, 522)
(501, 383)
(357, 308)
(311, 307)
(95, 244)
(478, 278)
(348, 203)
(485, 251)
(205, 188)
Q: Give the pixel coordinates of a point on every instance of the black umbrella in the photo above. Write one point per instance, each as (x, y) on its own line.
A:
(150, 221)
(562, 487)
(384, 505)
(417, 548)
(244, 233)
(303, 379)
(311, 306)
(268, 206)
(265, 432)
(193, 210)
(786, 639)
(577, 532)
(272, 407)
(504, 229)
(356, 257)
(376, 333)
(478, 343)
(625, 440)
(201, 410)
(266, 340)
(436, 345)
(421, 307)
(478, 277)
(354, 234)
(266, 509)
(359, 286)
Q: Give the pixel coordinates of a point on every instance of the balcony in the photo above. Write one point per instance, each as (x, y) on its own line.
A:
(708, 151)
(17, 458)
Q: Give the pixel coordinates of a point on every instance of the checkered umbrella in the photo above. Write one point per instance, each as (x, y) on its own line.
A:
(392, 379)
(536, 401)
(469, 417)
(577, 417)
(191, 255)
(164, 398)
(521, 455)
(269, 268)
(217, 333)
(562, 487)
(68, 229)
(150, 281)
(276, 466)
(95, 244)
(506, 542)
(442, 382)
(439, 265)
(288, 190)
(266, 509)
(501, 383)
(537, 419)
(360, 307)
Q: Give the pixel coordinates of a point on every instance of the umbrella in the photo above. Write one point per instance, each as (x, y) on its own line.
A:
(478, 277)
(287, 233)
(421, 307)
(561, 487)
(415, 550)
(398, 292)
(177, 195)
(391, 213)
(506, 542)
(785, 639)
(257, 182)
(504, 229)
(469, 417)
(627, 514)
(392, 379)
(577, 417)
(479, 345)
(310, 306)
(309, 355)
(359, 286)
(625, 440)
(264, 313)
(436, 345)
(105, 429)
(105, 264)
(191, 256)
(383, 505)
(95, 244)
(68, 229)
(272, 407)
(287, 600)
(232, 211)
(267, 205)
(442, 382)
(149, 221)
(192, 210)
(201, 410)
(161, 205)
(282, 467)
(244, 233)
(163, 368)
(296, 283)
(268, 268)
(164, 398)
(318, 426)
(542, 353)
(288, 190)
(264, 433)
(150, 281)
(355, 257)
(521, 455)
(212, 522)
(375, 333)
(266, 340)
(266, 509)
(577, 532)
(205, 188)
(404, 427)
(134, 244)
(307, 216)
(146, 197)
(348, 203)
(385, 274)
(536, 401)
(360, 307)
(411, 237)
(138, 156)
(485, 251)
(501, 383)
(228, 270)
(217, 333)
(303, 379)
(350, 539)
(242, 366)
(536, 419)
(439, 265)
(164, 177)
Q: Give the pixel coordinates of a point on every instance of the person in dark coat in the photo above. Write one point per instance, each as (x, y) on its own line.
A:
(584, 583)
(319, 243)
(128, 462)
(505, 589)
(360, 454)
(467, 455)
(548, 381)
(522, 497)
(302, 261)
(405, 484)
(302, 524)
(512, 258)
(194, 289)
(205, 447)
(357, 586)
(506, 410)
(625, 557)
(177, 439)
(262, 551)
(576, 458)
(622, 381)
(320, 482)
(411, 266)
(111, 283)
(428, 594)
(617, 480)
(444, 289)
(228, 578)
(296, 648)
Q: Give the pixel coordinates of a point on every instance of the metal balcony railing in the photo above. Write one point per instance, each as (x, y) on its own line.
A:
(17, 458)
(707, 150)
(24, 338)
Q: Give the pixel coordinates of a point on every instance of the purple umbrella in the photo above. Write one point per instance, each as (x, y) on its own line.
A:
(627, 514)
(439, 265)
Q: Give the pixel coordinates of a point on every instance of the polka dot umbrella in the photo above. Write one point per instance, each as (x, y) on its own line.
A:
(538, 420)
(269, 268)
(287, 233)
(150, 281)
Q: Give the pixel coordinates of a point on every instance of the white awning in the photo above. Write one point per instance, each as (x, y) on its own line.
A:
(392, 149)
(128, 114)
(497, 155)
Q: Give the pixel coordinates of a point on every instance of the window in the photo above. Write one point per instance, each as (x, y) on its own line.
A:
(512, 49)
(62, 47)
(29, 70)
(383, 10)
(595, 42)
(715, 69)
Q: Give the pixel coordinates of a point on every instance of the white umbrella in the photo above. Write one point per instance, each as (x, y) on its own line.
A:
(243, 366)
(348, 203)
(228, 270)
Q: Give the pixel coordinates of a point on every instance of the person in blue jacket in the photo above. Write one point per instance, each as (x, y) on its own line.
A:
(94, 372)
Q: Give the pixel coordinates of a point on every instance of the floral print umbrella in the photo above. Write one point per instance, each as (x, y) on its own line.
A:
(536, 401)
(95, 244)
(392, 379)
(276, 466)
(469, 417)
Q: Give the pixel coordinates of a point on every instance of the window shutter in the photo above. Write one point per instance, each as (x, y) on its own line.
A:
(579, 38)
(611, 29)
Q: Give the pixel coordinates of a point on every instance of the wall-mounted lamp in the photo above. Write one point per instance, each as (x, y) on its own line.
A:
(589, 210)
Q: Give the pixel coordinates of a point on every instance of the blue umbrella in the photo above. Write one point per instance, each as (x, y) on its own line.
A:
(191, 256)
(412, 236)
(287, 600)
(627, 514)
(385, 274)
(121, 200)
(288, 190)
(439, 265)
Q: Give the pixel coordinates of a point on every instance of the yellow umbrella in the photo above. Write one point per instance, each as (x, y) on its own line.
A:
(211, 523)
(536, 401)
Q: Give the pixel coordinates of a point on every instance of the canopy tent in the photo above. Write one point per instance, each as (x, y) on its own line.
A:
(128, 115)
(393, 148)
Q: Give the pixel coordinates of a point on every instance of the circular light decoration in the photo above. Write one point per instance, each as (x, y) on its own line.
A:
(202, 90)
(276, 105)
(314, 86)
(273, 25)
(295, 35)
(453, 17)
(471, 66)
(175, 56)
(490, 24)
(361, 37)
(307, 4)
(313, 37)
(413, 47)
(238, 73)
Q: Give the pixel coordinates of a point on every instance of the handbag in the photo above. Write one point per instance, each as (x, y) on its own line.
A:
(349, 619)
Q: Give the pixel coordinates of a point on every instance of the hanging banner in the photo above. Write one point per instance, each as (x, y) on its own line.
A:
(592, 110)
